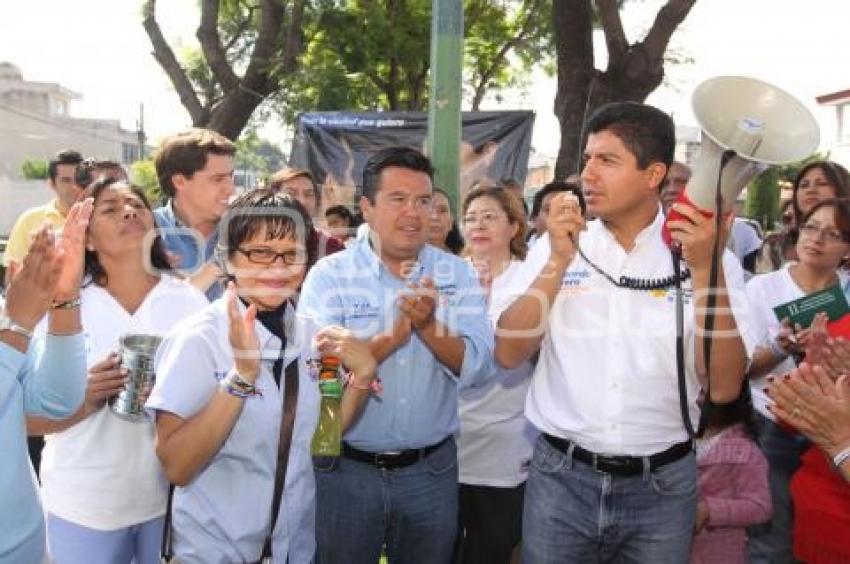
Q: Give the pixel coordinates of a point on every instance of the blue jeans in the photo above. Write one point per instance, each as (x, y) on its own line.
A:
(70, 543)
(771, 542)
(574, 513)
(413, 510)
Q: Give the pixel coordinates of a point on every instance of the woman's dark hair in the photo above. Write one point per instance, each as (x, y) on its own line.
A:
(93, 271)
(722, 415)
(278, 214)
(836, 174)
(454, 238)
(512, 207)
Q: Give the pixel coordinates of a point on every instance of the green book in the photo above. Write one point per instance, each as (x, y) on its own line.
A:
(802, 311)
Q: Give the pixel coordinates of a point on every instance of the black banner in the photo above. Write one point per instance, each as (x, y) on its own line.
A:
(334, 146)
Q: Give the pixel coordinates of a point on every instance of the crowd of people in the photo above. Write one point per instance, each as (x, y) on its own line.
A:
(543, 387)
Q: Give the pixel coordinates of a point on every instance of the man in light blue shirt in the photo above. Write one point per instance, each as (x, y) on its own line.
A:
(425, 316)
(195, 171)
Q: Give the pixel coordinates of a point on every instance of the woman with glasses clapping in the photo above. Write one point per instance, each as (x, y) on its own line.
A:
(822, 246)
(235, 406)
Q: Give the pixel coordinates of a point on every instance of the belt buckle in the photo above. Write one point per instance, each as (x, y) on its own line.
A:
(383, 459)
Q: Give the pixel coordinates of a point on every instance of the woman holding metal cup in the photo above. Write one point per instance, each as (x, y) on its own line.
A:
(236, 407)
(103, 488)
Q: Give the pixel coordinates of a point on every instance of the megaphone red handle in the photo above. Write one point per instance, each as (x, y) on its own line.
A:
(672, 214)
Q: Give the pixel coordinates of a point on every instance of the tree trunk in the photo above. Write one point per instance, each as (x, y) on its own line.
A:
(633, 71)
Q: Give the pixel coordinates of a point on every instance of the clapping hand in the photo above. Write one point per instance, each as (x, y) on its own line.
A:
(243, 337)
(72, 246)
(420, 304)
(31, 291)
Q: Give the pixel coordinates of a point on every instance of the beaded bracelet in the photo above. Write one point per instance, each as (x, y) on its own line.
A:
(841, 457)
(67, 304)
(235, 385)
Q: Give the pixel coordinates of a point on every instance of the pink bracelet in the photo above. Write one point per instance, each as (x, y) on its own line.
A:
(374, 386)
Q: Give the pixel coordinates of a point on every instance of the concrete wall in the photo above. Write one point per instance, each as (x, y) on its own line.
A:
(17, 196)
(30, 136)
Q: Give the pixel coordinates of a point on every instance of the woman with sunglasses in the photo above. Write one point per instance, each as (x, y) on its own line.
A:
(823, 244)
(102, 485)
(233, 381)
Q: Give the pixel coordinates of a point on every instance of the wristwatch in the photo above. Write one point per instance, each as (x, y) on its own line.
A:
(6, 324)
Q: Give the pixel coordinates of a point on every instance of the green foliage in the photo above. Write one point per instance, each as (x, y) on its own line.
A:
(367, 55)
(34, 169)
(143, 173)
(763, 192)
(255, 154)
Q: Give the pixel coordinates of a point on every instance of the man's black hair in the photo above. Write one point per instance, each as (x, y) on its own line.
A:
(64, 157)
(402, 157)
(647, 132)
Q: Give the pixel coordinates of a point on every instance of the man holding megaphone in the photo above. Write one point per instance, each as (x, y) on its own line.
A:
(613, 476)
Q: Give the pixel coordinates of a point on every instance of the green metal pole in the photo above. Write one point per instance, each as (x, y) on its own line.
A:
(444, 124)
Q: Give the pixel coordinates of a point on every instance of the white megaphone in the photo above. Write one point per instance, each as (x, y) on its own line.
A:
(750, 125)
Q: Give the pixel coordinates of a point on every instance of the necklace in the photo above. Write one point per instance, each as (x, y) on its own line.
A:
(640, 284)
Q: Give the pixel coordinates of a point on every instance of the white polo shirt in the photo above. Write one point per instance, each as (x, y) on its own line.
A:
(103, 473)
(223, 514)
(607, 378)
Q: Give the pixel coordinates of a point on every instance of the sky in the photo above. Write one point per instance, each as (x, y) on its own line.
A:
(99, 49)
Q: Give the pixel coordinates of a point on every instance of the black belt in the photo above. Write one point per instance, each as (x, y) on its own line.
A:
(621, 465)
(391, 460)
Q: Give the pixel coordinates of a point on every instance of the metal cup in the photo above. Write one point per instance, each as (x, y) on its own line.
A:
(137, 356)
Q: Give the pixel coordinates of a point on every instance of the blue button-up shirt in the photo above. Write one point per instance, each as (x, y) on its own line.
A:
(418, 406)
(49, 381)
(188, 244)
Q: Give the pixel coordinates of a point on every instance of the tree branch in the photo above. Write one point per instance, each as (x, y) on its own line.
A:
(612, 25)
(164, 55)
(666, 21)
(292, 48)
(500, 57)
(214, 52)
(257, 79)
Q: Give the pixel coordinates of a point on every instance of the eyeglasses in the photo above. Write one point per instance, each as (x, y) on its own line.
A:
(829, 234)
(485, 218)
(267, 257)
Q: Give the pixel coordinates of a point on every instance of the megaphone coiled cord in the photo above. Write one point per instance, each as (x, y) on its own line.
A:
(639, 284)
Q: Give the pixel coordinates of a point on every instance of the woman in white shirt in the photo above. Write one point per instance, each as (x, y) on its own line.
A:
(823, 245)
(234, 380)
(103, 487)
(495, 440)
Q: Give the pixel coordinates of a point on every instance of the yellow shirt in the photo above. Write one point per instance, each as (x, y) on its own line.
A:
(29, 222)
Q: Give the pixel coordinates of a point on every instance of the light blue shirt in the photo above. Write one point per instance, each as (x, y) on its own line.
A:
(223, 514)
(188, 244)
(419, 403)
(49, 381)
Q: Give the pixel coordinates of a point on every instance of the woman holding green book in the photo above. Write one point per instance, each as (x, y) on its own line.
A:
(822, 246)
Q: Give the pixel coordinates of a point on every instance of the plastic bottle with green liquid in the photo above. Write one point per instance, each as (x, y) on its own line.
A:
(328, 435)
